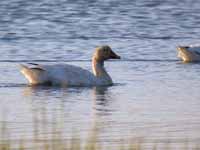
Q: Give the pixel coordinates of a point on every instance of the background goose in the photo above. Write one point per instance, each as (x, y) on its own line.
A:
(69, 75)
(189, 53)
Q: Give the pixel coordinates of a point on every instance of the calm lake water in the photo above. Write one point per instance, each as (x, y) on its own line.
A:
(155, 98)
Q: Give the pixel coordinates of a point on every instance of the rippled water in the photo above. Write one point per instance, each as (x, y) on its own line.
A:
(155, 96)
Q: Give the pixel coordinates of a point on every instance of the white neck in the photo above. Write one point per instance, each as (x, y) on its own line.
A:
(98, 67)
(100, 72)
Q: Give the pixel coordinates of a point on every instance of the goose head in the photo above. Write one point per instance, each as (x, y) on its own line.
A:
(182, 48)
(103, 53)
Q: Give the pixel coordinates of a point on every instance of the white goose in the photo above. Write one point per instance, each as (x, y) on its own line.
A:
(69, 75)
(189, 53)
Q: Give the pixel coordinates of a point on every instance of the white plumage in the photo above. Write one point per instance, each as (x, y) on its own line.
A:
(69, 75)
(189, 53)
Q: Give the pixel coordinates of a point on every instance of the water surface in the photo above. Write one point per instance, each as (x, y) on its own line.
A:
(155, 98)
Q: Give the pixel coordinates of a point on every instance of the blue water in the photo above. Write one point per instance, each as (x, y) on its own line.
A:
(155, 95)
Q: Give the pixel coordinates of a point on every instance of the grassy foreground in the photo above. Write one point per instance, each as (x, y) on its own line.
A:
(57, 142)
(55, 139)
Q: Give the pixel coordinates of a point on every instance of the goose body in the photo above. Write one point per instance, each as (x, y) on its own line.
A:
(70, 75)
(189, 53)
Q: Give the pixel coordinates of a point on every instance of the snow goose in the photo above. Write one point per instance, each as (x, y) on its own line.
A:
(189, 53)
(70, 75)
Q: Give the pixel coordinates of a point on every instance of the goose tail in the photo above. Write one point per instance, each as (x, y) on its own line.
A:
(33, 75)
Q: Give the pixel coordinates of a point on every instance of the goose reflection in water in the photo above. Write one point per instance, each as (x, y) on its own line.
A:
(66, 110)
(102, 97)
